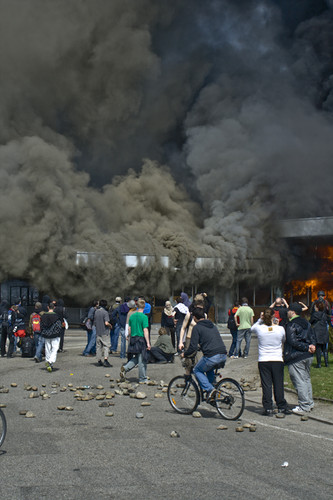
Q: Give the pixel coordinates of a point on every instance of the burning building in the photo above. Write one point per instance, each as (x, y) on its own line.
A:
(178, 130)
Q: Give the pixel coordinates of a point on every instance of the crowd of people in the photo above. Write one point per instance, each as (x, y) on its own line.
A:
(284, 338)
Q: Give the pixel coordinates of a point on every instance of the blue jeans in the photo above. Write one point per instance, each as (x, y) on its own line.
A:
(137, 360)
(114, 336)
(204, 370)
(123, 343)
(241, 334)
(39, 349)
(91, 343)
(232, 349)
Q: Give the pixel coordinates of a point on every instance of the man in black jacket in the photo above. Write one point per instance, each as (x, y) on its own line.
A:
(206, 335)
(298, 356)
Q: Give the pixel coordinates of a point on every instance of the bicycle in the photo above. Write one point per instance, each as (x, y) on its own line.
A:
(3, 427)
(185, 394)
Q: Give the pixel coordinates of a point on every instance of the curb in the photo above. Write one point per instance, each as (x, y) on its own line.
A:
(317, 419)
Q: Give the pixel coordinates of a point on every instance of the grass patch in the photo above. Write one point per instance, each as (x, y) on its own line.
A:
(321, 378)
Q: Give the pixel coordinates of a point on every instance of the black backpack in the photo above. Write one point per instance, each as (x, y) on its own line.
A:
(27, 347)
(231, 321)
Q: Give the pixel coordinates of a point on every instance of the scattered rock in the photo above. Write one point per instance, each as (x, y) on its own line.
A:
(61, 407)
(304, 418)
(5, 390)
(69, 408)
(253, 428)
(109, 395)
(33, 395)
(70, 385)
(104, 404)
(23, 412)
(152, 382)
(2, 405)
(196, 414)
(112, 386)
(174, 434)
(222, 427)
(124, 385)
(132, 395)
(246, 388)
(158, 395)
(27, 387)
(72, 389)
(34, 388)
(247, 426)
(29, 414)
(99, 387)
(145, 403)
(109, 414)
(45, 396)
(63, 389)
(140, 395)
(139, 415)
(13, 384)
(119, 392)
(99, 397)
(107, 375)
(280, 415)
(239, 429)
(165, 389)
(43, 385)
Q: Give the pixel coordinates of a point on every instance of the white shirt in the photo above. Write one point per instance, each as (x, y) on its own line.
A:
(270, 341)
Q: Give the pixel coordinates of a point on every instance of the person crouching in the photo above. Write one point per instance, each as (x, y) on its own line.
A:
(163, 351)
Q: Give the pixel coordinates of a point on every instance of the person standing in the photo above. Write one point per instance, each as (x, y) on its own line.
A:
(181, 310)
(62, 313)
(90, 349)
(245, 318)
(298, 356)
(232, 325)
(115, 326)
(270, 362)
(4, 307)
(103, 325)
(138, 344)
(167, 321)
(280, 306)
(320, 321)
(51, 328)
(34, 323)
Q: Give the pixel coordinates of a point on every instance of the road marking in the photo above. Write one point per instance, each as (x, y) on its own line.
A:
(294, 432)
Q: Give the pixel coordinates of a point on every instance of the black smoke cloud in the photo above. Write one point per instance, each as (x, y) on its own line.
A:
(162, 128)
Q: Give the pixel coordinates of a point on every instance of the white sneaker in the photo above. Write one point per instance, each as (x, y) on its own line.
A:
(298, 410)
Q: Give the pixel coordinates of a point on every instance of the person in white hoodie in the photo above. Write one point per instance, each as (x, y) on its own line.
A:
(270, 362)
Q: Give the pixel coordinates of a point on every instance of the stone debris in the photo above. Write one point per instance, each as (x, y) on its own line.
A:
(42, 393)
(5, 390)
(139, 415)
(280, 415)
(99, 387)
(2, 405)
(119, 392)
(253, 428)
(247, 426)
(239, 429)
(174, 434)
(29, 414)
(69, 408)
(112, 386)
(145, 403)
(104, 404)
(109, 395)
(109, 414)
(63, 389)
(152, 382)
(72, 389)
(70, 385)
(13, 384)
(304, 418)
(107, 375)
(27, 387)
(158, 395)
(140, 395)
(43, 385)
(33, 395)
(99, 397)
(164, 389)
(45, 396)
(34, 388)
(222, 427)
(132, 395)
(23, 412)
(196, 414)
(61, 407)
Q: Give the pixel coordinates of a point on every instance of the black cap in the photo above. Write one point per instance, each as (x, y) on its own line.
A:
(296, 307)
(321, 294)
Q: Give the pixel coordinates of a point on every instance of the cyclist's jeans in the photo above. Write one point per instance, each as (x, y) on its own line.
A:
(204, 370)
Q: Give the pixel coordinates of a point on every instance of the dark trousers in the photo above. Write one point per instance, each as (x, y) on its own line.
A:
(271, 374)
(62, 335)
(4, 335)
(156, 354)
(171, 331)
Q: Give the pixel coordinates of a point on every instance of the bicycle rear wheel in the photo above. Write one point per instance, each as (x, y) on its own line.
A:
(3, 427)
(229, 399)
(183, 395)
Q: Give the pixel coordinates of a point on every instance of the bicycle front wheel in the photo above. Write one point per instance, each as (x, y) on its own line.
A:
(183, 395)
(229, 399)
(3, 427)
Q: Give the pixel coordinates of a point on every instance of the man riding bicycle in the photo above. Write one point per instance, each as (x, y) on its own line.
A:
(206, 335)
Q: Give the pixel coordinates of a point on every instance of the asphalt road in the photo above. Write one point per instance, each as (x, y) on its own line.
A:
(82, 454)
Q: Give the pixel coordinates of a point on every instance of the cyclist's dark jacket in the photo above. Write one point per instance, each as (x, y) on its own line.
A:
(208, 337)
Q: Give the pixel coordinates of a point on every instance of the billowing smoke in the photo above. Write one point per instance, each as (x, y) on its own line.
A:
(179, 129)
